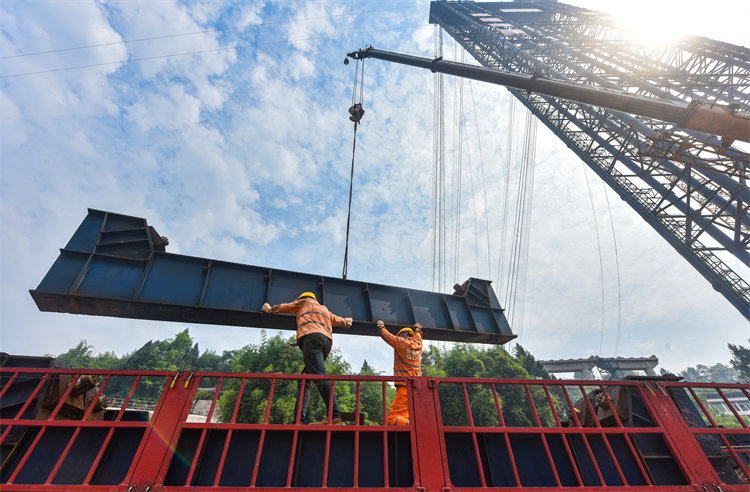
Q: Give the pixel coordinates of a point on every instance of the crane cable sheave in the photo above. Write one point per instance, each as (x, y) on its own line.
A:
(728, 123)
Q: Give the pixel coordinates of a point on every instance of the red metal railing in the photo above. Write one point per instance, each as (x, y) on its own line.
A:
(233, 431)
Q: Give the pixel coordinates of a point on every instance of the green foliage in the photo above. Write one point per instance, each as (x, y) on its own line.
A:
(718, 373)
(533, 366)
(280, 355)
(468, 361)
(741, 361)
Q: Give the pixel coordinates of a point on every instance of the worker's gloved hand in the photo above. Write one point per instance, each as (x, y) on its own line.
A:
(380, 324)
(418, 326)
(266, 308)
(349, 322)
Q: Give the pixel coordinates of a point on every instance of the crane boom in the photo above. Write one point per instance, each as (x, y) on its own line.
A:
(693, 115)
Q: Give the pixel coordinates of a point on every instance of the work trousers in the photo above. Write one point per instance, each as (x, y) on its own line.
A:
(398, 414)
(315, 349)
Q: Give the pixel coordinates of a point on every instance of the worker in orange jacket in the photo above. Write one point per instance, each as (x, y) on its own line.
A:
(315, 339)
(407, 361)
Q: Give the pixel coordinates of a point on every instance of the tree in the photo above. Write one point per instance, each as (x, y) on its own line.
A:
(741, 360)
(718, 373)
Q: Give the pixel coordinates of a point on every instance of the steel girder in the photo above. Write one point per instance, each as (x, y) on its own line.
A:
(689, 186)
(116, 265)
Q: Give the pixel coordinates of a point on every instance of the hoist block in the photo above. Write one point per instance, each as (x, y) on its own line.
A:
(117, 265)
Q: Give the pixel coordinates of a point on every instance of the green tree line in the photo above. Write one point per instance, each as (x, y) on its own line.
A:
(279, 355)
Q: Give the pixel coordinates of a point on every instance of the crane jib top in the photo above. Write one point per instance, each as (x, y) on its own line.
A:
(691, 115)
(117, 265)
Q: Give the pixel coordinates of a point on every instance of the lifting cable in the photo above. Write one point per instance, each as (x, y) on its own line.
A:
(355, 114)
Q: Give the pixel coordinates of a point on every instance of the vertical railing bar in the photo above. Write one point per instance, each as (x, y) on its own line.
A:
(703, 408)
(239, 399)
(72, 439)
(637, 458)
(571, 406)
(331, 396)
(295, 436)
(7, 385)
(326, 460)
(220, 468)
(497, 405)
(261, 441)
(228, 438)
(96, 398)
(385, 442)
(612, 406)
(270, 400)
(215, 399)
(614, 460)
(356, 439)
(507, 439)
(64, 397)
(99, 455)
(23, 409)
(598, 425)
(477, 455)
(564, 439)
(731, 407)
(204, 430)
(111, 432)
(737, 459)
(31, 398)
(533, 407)
(127, 399)
(27, 454)
(593, 459)
(386, 482)
(62, 457)
(300, 397)
(385, 420)
(589, 406)
(551, 405)
(542, 435)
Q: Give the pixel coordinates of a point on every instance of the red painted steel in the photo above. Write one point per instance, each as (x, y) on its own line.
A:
(596, 415)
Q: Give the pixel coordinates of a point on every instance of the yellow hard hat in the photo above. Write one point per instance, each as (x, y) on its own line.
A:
(306, 294)
(405, 329)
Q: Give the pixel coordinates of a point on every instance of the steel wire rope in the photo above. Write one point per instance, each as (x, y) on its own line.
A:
(508, 161)
(510, 278)
(361, 68)
(617, 269)
(599, 249)
(530, 156)
(206, 31)
(200, 52)
(438, 117)
(522, 218)
(484, 183)
(516, 237)
(456, 196)
(473, 196)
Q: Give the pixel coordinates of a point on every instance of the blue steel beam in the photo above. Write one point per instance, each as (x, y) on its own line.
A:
(116, 265)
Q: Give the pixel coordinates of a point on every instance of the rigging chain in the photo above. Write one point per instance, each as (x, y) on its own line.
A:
(355, 114)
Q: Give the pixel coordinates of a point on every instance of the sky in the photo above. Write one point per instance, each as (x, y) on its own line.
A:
(225, 125)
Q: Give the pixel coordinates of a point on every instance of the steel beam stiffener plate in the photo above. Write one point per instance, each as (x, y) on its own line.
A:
(116, 265)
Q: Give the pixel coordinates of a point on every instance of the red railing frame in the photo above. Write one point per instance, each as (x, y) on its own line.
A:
(426, 432)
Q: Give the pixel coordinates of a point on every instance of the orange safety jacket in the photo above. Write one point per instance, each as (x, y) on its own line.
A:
(312, 317)
(407, 353)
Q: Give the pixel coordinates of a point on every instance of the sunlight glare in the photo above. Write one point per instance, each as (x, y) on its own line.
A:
(655, 22)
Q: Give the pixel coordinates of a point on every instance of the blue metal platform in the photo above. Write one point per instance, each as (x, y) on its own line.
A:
(116, 265)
